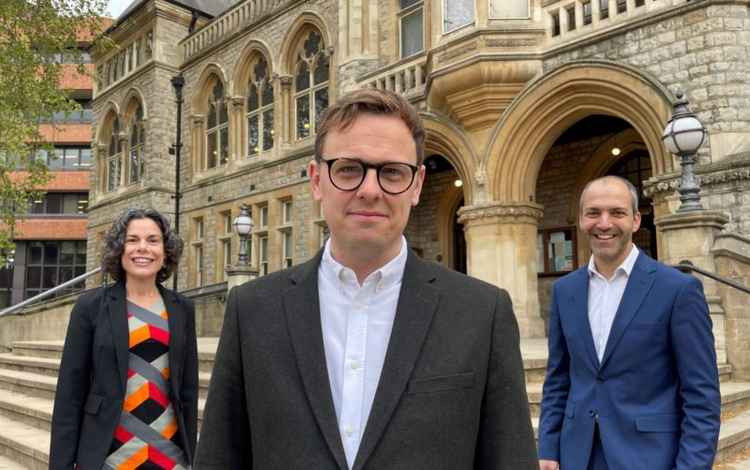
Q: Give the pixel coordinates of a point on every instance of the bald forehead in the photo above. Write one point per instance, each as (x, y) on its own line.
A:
(606, 187)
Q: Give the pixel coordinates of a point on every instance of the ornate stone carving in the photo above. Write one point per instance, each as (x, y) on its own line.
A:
(511, 42)
(501, 212)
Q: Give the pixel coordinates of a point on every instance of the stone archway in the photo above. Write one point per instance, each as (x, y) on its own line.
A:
(502, 232)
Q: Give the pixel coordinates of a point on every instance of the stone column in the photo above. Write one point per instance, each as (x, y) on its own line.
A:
(690, 236)
(237, 275)
(501, 249)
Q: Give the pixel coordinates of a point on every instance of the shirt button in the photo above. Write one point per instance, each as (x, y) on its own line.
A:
(348, 431)
(355, 365)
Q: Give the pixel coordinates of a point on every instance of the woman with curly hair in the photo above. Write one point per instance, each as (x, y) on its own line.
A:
(127, 392)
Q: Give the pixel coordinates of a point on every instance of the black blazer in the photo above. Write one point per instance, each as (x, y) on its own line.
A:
(93, 374)
(451, 394)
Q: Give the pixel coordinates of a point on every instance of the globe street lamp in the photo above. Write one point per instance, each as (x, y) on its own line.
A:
(683, 136)
(243, 225)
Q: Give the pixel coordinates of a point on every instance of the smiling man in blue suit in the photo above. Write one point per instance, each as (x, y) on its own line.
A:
(632, 381)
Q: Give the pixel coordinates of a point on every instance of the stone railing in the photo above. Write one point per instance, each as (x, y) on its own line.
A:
(406, 78)
(568, 19)
(243, 14)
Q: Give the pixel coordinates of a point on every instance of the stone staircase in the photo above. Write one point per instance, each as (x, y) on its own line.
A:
(28, 376)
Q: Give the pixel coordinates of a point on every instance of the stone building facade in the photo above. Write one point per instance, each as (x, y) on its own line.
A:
(524, 101)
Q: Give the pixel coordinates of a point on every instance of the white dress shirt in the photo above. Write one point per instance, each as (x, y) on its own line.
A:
(356, 321)
(604, 299)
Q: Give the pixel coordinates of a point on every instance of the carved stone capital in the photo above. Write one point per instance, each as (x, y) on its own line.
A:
(236, 101)
(284, 80)
(197, 119)
(501, 213)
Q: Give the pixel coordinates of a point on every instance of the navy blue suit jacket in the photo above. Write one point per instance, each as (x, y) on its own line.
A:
(655, 393)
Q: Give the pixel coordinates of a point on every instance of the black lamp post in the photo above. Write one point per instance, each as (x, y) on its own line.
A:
(683, 136)
(178, 81)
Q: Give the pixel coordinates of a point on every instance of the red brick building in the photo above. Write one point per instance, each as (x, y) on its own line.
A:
(51, 238)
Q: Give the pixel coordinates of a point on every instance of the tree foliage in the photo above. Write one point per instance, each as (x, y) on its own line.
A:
(39, 39)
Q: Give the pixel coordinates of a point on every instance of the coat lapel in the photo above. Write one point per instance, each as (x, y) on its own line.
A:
(417, 303)
(118, 317)
(639, 283)
(176, 319)
(579, 305)
(302, 310)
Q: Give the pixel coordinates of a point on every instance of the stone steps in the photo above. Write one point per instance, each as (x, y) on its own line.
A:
(28, 381)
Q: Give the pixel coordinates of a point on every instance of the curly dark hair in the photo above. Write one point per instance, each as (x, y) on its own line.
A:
(115, 244)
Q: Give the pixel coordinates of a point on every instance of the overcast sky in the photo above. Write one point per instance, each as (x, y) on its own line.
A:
(115, 7)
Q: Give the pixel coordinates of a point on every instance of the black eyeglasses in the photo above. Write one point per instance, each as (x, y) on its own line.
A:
(348, 174)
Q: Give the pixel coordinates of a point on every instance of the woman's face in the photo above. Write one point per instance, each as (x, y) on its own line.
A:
(143, 255)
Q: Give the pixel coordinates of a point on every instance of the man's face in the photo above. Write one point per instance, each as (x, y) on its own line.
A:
(608, 221)
(367, 219)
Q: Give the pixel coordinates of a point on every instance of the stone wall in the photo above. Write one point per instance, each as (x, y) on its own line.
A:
(702, 50)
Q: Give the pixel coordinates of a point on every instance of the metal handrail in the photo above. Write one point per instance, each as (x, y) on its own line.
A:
(47, 293)
(686, 266)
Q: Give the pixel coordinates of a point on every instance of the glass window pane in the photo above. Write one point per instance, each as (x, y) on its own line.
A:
(411, 33)
(321, 103)
(51, 251)
(49, 277)
(212, 149)
(211, 115)
(33, 277)
(252, 135)
(224, 145)
(223, 116)
(67, 253)
(303, 116)
(35, 253)
(54, 203)
(252, 98)
(509, 8)
(321, 69)
(457, 13)
(268, 129)
(55, 160)
(267, 93)
(70, 203)
(66, 274)
(303, 76)
(70, 158)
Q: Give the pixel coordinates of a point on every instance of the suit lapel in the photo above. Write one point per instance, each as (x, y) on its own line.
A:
(176, 319)
(579, 303)
(302, 310)
(118, 317)
(417, 303)
(639, 283)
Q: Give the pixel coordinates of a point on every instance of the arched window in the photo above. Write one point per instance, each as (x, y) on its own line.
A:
(114, 159)
(259, 109)
(310, 84)
(137, 139)
(217, 133)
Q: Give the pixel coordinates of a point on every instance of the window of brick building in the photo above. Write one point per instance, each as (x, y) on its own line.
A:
(50, 263)
(310, 84)
(74, 203)
(259, 109)
(217, 133)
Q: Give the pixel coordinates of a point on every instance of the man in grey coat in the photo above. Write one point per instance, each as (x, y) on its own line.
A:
(367, 357)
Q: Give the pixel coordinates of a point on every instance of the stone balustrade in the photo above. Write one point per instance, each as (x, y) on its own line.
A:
(240, 16)
(407, 78)
(569, 19)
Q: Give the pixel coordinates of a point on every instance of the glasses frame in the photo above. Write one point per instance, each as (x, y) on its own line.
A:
(331, 161)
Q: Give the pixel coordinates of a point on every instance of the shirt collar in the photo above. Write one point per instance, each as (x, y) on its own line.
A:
(390, 273)
(626, 266)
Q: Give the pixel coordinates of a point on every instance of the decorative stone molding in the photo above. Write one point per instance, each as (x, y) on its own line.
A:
(236, 101)
(682, 220)
(501, 213)
(735, 168)
(285, 80)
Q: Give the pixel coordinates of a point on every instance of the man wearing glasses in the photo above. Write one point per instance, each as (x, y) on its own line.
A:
(367, 357)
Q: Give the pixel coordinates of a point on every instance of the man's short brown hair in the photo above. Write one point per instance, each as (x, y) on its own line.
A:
(346, 109)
